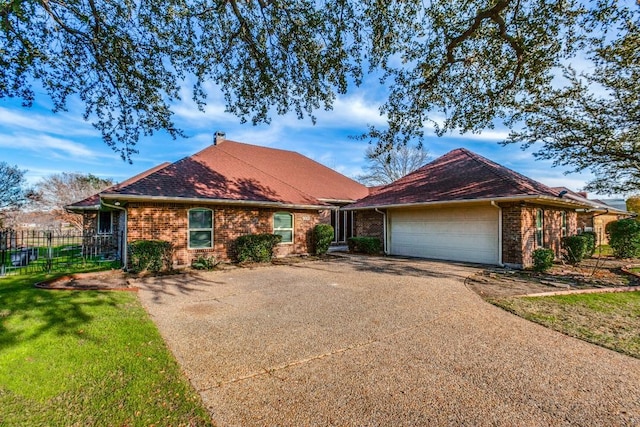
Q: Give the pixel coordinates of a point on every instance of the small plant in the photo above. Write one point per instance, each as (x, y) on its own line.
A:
(591, 238)
(322, 236)
(575, 248)
(624, 238)
(150, 255)
(256, 247)
(543, 259)
(204, 263)
(367, 245)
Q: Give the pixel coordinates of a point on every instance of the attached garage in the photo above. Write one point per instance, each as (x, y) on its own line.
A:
(469, 234)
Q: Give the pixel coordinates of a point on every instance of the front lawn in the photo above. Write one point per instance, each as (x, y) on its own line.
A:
(611, 320)
(86, 358)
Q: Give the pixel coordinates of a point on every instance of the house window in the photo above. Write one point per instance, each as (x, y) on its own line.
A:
(200, 228)
(283, 226)
(539, 228)
(564, 224)
(105, 222)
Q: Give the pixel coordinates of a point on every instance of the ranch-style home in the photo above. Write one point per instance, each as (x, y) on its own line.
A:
(460, 207)
(204, 202)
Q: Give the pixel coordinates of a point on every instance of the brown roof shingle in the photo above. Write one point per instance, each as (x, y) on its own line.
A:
(234, 171)
(459, 175)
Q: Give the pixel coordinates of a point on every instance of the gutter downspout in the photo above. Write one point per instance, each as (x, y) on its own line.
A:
(126, 225)
(493, 203)
(384, 230)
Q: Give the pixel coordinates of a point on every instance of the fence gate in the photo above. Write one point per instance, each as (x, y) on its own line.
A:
(31, 251)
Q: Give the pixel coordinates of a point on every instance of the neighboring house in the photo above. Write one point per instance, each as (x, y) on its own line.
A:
(595, 216)
(202, 203)
(464, 207)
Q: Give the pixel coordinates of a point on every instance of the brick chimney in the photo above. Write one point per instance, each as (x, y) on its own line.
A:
(218, 137)
(582, 194)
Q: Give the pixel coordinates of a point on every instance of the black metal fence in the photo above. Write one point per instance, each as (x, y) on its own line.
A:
(31, 251)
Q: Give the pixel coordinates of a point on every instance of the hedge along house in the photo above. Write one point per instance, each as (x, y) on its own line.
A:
(464, 207)
(202, 203)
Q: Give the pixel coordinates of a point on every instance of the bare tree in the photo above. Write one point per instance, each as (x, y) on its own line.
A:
(385, 167)
(56, 191)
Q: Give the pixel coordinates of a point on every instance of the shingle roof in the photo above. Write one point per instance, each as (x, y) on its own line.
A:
(94, 201)
(595, 204)
(459, 175)
(234, 171)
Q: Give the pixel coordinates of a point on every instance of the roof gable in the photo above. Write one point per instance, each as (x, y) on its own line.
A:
(459, 175)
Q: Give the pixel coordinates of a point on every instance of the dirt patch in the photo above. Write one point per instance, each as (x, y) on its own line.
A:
(594, 273)
(103, 280)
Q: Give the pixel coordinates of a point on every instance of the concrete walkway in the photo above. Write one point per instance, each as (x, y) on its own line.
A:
(375, 341)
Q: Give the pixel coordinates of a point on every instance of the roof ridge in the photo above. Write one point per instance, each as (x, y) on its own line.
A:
(264, 172)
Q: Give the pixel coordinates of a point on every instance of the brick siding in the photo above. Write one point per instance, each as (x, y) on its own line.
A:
(168, 221)
(369, 223)
(519, 231)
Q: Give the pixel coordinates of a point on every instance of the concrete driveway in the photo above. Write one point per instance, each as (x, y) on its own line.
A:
(362, 341)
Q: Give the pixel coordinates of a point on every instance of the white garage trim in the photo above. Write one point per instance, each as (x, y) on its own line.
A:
(469, 234)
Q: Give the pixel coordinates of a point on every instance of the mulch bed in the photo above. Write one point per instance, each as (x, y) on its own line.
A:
(603, 273)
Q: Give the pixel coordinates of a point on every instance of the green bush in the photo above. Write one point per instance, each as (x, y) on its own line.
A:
(624, 238)
(591, 242)
(367, 245)
(256, 247)
(543, 259)
(204, 263)
(322, 236)
(150, 255)
(575, 248)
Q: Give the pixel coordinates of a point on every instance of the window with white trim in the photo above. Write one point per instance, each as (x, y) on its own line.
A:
(283, 226)
(564, 223)
(105, 222)
(539, 228)
(200, 228)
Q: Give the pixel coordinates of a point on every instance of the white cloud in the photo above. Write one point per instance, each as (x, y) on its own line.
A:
(49, 123)
(46, 145)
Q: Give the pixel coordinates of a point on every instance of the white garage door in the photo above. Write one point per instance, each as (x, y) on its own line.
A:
(456, 234)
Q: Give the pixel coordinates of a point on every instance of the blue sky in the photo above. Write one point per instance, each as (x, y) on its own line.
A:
(44, 143)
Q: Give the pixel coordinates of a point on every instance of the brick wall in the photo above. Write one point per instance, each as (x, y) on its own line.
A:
(168, 221)
(519, 231)
(369, 223)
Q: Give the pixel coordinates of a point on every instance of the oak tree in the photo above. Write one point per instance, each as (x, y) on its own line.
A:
(454, 65)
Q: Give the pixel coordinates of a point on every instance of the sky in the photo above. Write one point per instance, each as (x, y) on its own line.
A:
(44, 143)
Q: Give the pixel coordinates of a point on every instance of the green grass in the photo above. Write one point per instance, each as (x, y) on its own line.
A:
(86, 358)
(611, 320)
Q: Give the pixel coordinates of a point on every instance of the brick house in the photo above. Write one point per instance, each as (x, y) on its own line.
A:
(464, 207)
(203, 202)
(595, 215)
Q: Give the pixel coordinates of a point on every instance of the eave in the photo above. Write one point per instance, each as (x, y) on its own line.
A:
(199, 200)
(535, 199)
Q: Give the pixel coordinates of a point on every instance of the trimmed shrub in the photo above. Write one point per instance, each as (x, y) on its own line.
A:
(150, 255)
(322, 236)
(543, 259)
(367, 245)
(624, 238)
(256, 247)
(575, 248)
(591, 242)
(204, 263)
